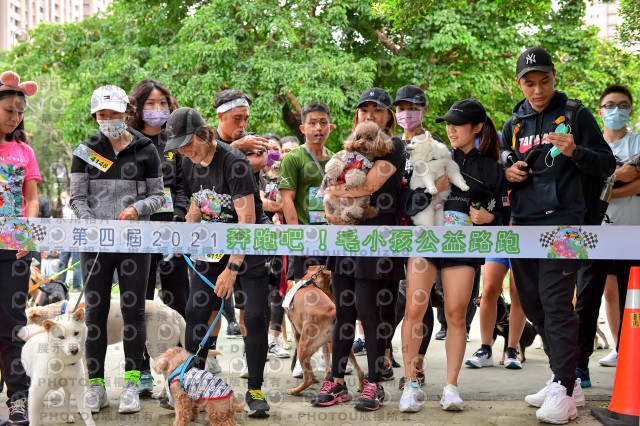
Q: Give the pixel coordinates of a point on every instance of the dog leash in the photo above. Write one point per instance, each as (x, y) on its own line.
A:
(310, 281)
(84, 285)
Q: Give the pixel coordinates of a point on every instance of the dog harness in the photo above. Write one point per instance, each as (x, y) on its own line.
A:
(201, 384)
(355, 161)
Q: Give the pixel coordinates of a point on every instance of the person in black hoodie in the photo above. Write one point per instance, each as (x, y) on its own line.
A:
(153, 104)
(549, 191)
(467, 122)
(126, 184)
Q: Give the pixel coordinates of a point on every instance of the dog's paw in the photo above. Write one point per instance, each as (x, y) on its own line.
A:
(465, 187)
(70, 419)
(433, 190)
(286, 346)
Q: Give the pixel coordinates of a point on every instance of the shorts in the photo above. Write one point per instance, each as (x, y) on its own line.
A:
(449, 262)
(612, 268)
(298, 265)
(504, 260)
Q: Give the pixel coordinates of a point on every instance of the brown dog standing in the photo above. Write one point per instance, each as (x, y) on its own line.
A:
(313, 314)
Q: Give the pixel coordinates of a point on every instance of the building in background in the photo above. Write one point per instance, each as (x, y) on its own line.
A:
(18, 16)
(603, 16)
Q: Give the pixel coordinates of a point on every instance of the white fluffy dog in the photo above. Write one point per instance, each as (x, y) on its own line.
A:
(53, 358)
(431, 159)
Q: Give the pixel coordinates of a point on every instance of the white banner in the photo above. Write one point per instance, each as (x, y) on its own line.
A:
(558, 242)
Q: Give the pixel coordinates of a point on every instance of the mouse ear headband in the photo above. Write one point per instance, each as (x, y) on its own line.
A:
(9, 80)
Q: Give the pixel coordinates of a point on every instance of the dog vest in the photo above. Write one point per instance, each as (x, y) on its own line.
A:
(201, 384)
(355, 161)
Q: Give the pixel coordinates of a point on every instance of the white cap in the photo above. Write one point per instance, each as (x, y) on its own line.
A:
(109, 97)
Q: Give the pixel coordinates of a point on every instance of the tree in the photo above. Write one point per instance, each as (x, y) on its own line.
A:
(629, 31)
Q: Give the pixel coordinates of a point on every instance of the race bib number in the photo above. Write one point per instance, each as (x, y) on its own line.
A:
(91, 157)
(317, 217)
(167, 207)
(213, 258)
(315, 200)
(453, 218)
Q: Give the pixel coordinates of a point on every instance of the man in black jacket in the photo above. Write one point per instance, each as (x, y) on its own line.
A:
(549, 191)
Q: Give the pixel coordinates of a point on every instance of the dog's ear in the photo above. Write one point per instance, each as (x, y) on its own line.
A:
(349, 144)
(161, 365)
(382, 144)
(48, 324)
(78, 315)
(33, 315)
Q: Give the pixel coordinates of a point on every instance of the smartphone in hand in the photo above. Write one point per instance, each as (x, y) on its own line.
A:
(530, 159)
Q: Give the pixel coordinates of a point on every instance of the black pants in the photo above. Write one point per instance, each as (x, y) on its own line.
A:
(132, 270)
(253, 288)
(427, 319)
(174, 279)
(545, 288)
(14, 283)
(276, 311)
(471, 307)
(371, 300)
(591, 279)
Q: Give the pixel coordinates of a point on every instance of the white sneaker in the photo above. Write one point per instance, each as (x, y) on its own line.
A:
(275, 349)
(558, 407)
(451, 400)
(212, 365)
(511, 360)
(297, 370)
(347, 370)
(412, 395)
(96, 397)
(480, 358)
(244, 371)
(578, 394)
(537, 399)
(610, 360)
(129, 398)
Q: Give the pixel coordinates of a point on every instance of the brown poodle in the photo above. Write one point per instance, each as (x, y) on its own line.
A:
(219, 411)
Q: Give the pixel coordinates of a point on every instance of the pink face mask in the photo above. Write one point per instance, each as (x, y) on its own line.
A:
(409, 120)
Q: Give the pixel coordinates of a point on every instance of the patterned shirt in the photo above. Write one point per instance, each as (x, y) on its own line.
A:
(201, 384)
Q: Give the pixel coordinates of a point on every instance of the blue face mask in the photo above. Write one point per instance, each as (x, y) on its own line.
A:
(617, 118)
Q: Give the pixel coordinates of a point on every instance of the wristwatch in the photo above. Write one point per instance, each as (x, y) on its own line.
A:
(578, 154)
(233, 266)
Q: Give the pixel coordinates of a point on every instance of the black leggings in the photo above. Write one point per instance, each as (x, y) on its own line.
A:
(275, 308)
(133, 271)
(253, 289)
(14, 283)
(371, 301)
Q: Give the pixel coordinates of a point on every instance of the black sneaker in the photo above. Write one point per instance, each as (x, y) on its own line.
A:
(442, 334)
(330, 393)
(233, 330)
(18, 412)
(387, 374)
(359, 347)
(256, 404)
(401, 384)
(164, 403)
(371, 398)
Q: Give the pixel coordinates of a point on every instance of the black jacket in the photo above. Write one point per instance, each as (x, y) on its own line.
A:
(553, 194)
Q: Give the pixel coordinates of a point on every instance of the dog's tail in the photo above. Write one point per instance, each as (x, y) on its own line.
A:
(182, 325)
(28, 331)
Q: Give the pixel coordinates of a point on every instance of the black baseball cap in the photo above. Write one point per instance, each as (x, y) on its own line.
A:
(410, 93)
(534, 59)
(377, 95)
(182, 124)
(463, 112)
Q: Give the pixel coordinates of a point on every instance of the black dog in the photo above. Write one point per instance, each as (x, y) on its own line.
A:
(502, 328)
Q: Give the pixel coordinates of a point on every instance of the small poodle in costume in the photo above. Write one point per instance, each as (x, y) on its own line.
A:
(202, 390)
(350, 167)
(431, 159)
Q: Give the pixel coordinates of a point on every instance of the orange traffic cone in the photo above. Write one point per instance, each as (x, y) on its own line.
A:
(624, 408)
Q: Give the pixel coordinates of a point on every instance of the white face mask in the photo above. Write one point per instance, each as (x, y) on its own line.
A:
(112, 129)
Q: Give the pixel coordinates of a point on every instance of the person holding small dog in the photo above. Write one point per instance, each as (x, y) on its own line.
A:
(20, 194)
(221, 182)
(154, 104)
(481, 204)
(367, 287)
(125, 185)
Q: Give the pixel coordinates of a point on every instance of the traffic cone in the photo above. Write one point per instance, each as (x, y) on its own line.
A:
(624, 408)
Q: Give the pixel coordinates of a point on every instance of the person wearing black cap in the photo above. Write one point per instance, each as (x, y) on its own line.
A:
(550, 191)
(372, 281)
(480, 205)
(220, 180)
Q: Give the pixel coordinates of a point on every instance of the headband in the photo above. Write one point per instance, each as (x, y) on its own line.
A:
(240, 102)
(9, 80)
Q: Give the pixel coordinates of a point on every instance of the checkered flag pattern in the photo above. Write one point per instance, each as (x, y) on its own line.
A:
(38, 232)
(546, 238)
(590, 239)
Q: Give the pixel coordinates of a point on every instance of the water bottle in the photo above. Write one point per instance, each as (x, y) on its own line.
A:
(605, 195)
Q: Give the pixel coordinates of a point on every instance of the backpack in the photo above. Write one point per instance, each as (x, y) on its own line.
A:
(592, 185)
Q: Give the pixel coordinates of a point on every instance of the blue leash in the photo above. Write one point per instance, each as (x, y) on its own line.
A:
(182, 368)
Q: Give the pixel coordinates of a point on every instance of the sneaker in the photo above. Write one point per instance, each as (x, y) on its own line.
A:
(511, 360)
(244, 371)
(420, 376)
(233, 330)
(537, 399)
(411, 397)
(387, 374)
(481, 358)
(212, 365)
(256, 404)
(330, 393)
(275, 349)
(558, 407)
(18, 412)
(297, 370)
(583, 375)
(371, 397)
(129, 398)
(442, 334)
(75, 290)
(347, 370)
(96, 397)
(164, 403)
(451, 400)
(610, 360)
(468, 338)
(359, 348)
(145, 384)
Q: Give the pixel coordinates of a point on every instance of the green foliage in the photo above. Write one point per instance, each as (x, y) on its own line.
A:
(629, 31)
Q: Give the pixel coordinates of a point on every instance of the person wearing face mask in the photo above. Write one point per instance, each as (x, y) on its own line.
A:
(624, 209)
(153, 104)
(125, 183)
